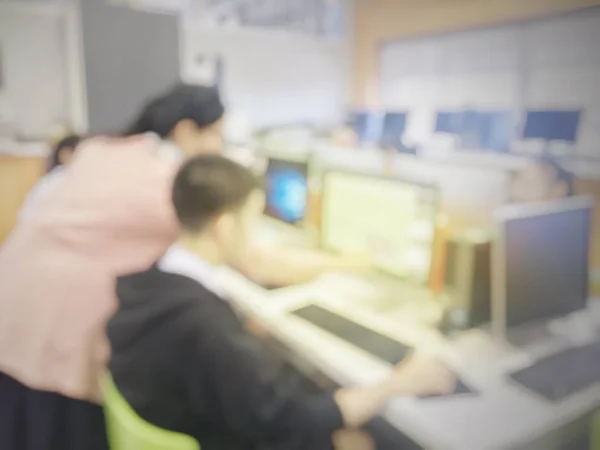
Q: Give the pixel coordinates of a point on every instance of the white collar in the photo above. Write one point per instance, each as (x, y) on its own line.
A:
(181, 261)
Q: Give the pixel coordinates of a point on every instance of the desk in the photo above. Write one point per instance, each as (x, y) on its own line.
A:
(502, 417)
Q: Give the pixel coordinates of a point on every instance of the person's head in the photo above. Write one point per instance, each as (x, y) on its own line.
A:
(344, 136)
(217, 202)
(541, 180)
(190, 115)
(63, 151)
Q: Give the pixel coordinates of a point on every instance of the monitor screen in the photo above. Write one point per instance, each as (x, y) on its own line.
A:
(394, 124)
(552, 125)
(367, 125)
(394, 219)
(488, 130)
(450, 122)
(286, 190)
(471, 130)
(499, 130)
(543, 253)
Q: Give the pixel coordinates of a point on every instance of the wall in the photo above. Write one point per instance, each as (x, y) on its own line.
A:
(275, 77)
(129, 57)
(376, 21)
(17, 177)
(34, 96)
(548, 63)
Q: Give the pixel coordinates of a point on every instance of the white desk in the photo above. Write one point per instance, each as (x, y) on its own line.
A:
(503, 416)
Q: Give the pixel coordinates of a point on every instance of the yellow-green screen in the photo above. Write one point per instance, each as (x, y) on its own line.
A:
(393, 219)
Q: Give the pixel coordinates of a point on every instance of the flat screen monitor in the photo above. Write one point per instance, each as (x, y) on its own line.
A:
(552, 125)
(499, 130)
(471, 129)
(540, 262)
(394, 124)
(286, 190)
(450, 122)
(367, 125)
(488, 130)
(394, 219)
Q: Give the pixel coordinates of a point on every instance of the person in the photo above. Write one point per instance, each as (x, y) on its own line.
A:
(268, 265)
(109, 214)
(541, 180)
(344, 137)
(61, 156)
(212, 379)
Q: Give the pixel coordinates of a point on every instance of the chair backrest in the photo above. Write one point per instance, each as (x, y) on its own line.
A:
(128, 431)
(595, 432)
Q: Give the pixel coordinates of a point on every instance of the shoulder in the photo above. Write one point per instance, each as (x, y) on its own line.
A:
(141, 149)
(40, 190)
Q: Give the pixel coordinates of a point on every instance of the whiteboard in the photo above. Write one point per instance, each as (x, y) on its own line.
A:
(472, 69)
(547, 64)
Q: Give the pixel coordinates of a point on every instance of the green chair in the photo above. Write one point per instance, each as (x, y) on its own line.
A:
(128, 431)
(595, 432)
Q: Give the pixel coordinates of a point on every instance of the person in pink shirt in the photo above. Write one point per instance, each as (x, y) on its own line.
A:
(108, 214)
(61, 155)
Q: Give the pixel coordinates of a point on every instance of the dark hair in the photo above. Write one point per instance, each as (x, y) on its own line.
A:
(209, 185)
(71, 142)
(202, 104)
(561, 174)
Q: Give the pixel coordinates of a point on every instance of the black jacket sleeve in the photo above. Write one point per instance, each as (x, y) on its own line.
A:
(253, 396)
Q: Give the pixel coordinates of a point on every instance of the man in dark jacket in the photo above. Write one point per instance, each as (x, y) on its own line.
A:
(182, 358)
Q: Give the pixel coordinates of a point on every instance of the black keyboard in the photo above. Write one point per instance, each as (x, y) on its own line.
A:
(561, 374)
(362, 337)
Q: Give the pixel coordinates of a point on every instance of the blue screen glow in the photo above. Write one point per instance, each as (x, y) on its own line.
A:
(286, 193)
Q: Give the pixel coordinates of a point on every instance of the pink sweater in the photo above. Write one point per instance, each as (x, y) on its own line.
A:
(109, 214)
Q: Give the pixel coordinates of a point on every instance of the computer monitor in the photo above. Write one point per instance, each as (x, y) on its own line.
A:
(286, 190)
(450, 122)
(552, 125)
(393, 218)
(488, 130)
(394, 124)
(471, 129)
(540, 262)
(499, 130)
(367, 125)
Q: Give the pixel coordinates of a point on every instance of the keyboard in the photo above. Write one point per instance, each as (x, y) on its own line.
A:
(358, 335)
(368, 340)
(562, 374)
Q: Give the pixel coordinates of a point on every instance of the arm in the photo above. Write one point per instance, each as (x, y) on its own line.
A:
(258, 400)
(414, 376)
(41, 189)
(259, 403)
(284, 266)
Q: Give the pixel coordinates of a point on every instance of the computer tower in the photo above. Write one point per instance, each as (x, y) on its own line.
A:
(467, 282)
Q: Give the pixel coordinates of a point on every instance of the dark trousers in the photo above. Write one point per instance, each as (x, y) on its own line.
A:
(38, 420)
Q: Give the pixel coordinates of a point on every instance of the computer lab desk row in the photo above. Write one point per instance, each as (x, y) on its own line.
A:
(501, 415)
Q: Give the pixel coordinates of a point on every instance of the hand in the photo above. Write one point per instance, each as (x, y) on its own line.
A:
(419, 375)
(256, 329)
